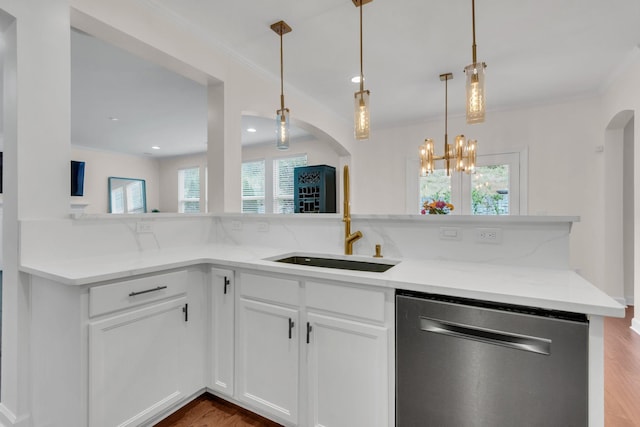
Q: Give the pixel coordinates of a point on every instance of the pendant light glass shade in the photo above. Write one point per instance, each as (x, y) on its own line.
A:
(427, 165)
(361, 115)
(476, 99)
(282, 129)
(361, 98)
(475, 92)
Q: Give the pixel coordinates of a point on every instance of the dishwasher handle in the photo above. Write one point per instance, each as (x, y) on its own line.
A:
(488, 336)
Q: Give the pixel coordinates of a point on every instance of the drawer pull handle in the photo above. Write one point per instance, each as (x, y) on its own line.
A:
(291, 325)
(309, 329)
(157, 288)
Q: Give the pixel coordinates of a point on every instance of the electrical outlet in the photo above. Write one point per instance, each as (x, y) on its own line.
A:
(488, 235)
(450, 233)
(144, 227)
(263, 226)
(236, 225)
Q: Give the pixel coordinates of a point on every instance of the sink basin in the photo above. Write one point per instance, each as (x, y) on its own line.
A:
(339, 263)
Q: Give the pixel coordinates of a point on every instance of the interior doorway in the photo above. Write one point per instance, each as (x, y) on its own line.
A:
(619, 200)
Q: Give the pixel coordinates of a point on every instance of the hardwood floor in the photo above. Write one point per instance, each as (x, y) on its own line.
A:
(621, 388)
(621, 372)
(211, 411)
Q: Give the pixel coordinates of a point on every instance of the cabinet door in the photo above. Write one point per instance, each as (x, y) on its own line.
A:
(348, 373)
(222, 321)
(136, 364)
(268, 358)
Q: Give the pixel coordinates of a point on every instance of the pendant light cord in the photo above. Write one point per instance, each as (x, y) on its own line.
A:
(281, 76)
(361, 67)
(473, 27)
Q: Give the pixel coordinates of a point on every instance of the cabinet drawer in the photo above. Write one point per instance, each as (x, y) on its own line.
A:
(131, 293)
(270, 288)
(363, 303)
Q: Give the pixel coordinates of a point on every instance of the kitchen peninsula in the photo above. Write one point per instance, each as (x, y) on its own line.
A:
(113, 322)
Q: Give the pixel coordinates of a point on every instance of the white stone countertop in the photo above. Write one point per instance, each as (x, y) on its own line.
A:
(535, 287)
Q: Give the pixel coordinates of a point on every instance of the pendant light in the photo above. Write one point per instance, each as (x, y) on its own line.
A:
(475, 80)
(361, 98)
(282, 115)
(460, 156)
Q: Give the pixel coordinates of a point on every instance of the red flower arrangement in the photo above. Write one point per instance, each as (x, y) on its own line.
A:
(436, 207)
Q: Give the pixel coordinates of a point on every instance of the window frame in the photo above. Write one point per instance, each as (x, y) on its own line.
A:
(269, 182)
(183, 200)
(244, 198)
(461, 183)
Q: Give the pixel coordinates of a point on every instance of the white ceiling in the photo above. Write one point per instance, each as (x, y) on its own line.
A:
(537, 52)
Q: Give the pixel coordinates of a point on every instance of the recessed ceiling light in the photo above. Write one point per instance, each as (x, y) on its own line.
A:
(252, 130)
(355, 79)
(155, 147)
(114, 119)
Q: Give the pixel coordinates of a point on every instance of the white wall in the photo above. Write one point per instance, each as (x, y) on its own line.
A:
(100, 165)
(623, 94)
(561, 141)
(318, 152)
(244, 90)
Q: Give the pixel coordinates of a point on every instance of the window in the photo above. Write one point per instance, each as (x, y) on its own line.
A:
(490, 190)
(496, 188)
(189, 190)
(435, 186)
(283, 183)
(267, 185)
(253, 187)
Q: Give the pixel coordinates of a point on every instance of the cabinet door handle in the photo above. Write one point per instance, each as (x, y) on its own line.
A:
(226, 283)
(185, 310)
(157, 288)
(291, 325)
(309, 329)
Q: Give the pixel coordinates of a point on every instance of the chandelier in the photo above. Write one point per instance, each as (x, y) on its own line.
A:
(460, 156)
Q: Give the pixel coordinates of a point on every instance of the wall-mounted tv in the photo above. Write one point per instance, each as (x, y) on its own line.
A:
(77, 178)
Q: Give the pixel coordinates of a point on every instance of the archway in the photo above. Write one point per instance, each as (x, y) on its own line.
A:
(619, 207)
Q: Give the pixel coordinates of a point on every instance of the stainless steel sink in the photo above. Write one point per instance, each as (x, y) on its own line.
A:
(339, 263)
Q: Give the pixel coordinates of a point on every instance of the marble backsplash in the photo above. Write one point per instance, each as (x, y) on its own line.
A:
(535, 241)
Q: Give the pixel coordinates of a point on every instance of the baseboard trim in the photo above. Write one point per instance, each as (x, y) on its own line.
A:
(9, 419)
(635, 325)
(621, 300)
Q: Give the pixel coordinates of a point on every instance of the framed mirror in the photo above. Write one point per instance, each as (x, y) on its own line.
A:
(127, 195)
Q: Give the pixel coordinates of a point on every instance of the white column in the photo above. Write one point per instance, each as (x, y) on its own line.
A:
(36, 167)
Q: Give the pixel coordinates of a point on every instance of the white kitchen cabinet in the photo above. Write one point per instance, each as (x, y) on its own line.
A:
(344, 351)
(347, 367)
(222, 292)
(269, 358)
(136, 362)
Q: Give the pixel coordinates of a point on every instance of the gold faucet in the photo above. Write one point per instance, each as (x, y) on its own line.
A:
(349, 238)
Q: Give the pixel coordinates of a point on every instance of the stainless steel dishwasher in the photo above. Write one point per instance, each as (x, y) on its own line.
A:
(462, 362)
